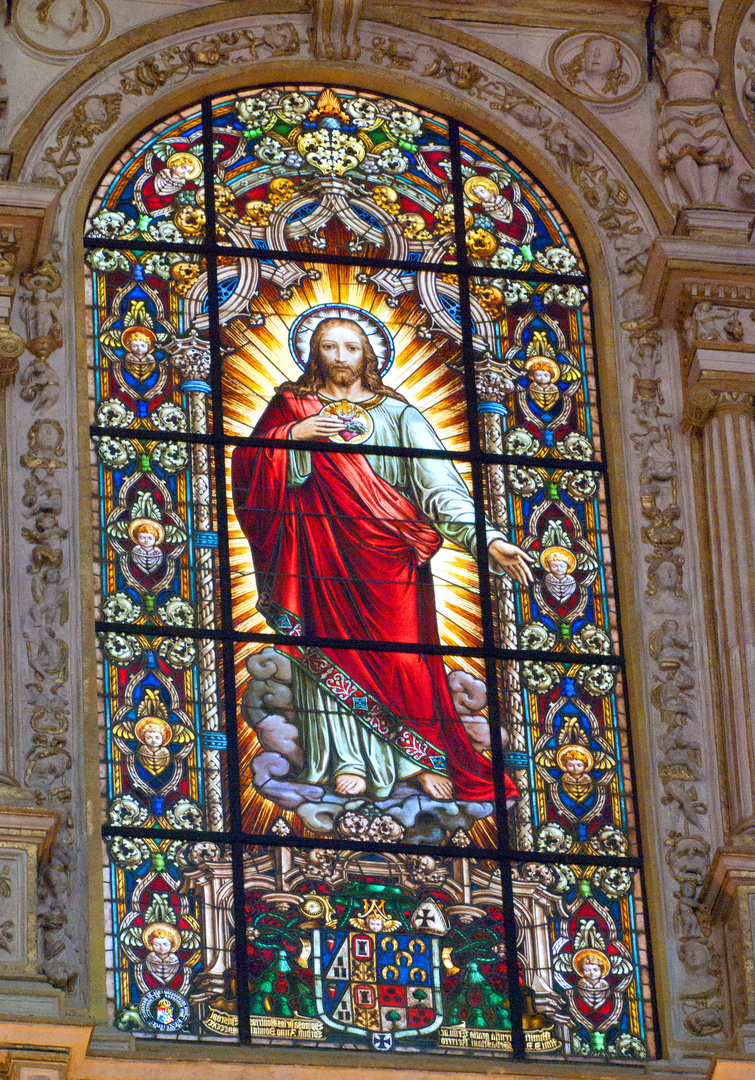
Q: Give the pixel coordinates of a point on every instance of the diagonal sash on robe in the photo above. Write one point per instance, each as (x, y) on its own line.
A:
(345, 555)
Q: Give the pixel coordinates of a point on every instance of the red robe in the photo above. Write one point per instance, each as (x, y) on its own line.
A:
(345, 555)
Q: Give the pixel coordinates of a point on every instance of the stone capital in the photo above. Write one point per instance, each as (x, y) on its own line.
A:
(27, 219)
(701, 402)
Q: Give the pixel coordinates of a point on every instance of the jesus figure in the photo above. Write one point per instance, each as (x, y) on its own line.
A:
(341, 545)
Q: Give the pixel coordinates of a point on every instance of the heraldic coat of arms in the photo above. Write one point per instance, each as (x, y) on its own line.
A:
(377, 970)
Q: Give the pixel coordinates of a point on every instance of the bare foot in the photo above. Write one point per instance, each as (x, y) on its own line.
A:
(440, 787)
(350, 784)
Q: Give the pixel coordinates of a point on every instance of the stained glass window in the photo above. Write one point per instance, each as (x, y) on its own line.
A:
(366, 776)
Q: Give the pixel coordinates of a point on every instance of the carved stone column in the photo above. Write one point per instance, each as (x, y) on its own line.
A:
(27, 217)
(727, 421)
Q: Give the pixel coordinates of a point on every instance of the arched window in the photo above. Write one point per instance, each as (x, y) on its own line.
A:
(365, 758)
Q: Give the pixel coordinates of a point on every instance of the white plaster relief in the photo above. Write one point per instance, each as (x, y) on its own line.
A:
(597, 67)
(744, 65)
(60, 29)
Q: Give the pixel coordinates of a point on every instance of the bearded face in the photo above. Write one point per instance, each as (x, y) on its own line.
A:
(341, 356)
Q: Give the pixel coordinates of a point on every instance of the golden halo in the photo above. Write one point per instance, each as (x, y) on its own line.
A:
(138, 331)
(574, 750)
(184, 157)
(483, 182)
(569, 556)
(155, 721)
(591, 954)
(544, 362)
(161, 929)
(154, 526)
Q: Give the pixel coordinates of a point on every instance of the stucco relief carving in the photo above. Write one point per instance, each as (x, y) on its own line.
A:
(678, 721)
(746, 68)
(48, 758)
(693, 140)
(92, 116)
(680, 784)
(597, 67)
(61, 29)
(177, 64)
(8, 873)
(11, 344)
(716, 318)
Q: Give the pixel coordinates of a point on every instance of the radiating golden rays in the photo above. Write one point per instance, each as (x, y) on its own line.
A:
(259, 361)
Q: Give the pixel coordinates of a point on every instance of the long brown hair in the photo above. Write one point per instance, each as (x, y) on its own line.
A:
(312, 378)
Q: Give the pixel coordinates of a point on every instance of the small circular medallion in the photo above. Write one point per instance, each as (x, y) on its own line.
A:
(164, 1010)
(597, 67)
(61, 28)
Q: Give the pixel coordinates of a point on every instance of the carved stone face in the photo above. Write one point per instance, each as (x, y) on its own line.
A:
(599, 57)
(66, 16)
(48, 436)
(691, 33)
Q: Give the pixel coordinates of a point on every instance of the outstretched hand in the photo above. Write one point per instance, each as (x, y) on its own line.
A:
(513, 560)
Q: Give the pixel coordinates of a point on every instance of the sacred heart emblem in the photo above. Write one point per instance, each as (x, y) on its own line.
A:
(357, 422)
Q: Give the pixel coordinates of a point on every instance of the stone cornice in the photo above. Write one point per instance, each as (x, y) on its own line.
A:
(678, 262)
(626, 17)
(30, 213)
